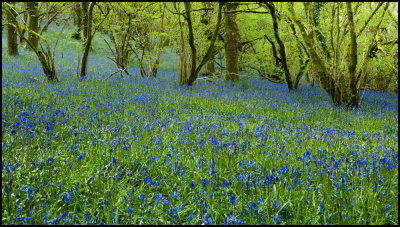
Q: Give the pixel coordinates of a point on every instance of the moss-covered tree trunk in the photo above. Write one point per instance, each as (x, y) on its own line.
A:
(33, 23)
(24, 6)
(232, 43)
(352, 59)
(206, 19)
(318, 65)
(85, 20)
(156, 63)
(12, 35)
(77, 21)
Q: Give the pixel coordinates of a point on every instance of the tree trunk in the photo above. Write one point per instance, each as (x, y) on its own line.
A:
(210, 65)
(300, 74)
(205, 19)
(154, 68)
(85, 21)
(319, 68)
(12, 36)
(33, 23)
(88, 40)
(25, 19)
(192, 75)
(352, 59)
(232, 43)
(77, 21)
(282, 51)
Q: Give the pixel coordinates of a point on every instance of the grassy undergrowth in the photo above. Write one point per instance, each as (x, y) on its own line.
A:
(147, 151)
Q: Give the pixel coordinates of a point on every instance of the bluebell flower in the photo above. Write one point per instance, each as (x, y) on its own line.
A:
(141, 197)
(80, 156)
(204, 182)
(190, 218)
(191, 184)
(232, 199)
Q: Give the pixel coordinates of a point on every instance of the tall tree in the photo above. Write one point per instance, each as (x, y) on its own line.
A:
(192, 68)
(88, 19)
(45, 56)
(12, 36)
(335, 82)
(232, 43)
(33, 22)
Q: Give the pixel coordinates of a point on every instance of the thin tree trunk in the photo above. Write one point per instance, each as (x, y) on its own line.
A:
(282, 51)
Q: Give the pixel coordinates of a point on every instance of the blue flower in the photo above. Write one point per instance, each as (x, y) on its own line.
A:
(80, 156)
(191, 216)
(130, 210)
(204, 182)
(232, 199)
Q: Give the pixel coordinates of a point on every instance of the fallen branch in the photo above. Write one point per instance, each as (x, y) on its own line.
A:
(119, 70)
(34, 79)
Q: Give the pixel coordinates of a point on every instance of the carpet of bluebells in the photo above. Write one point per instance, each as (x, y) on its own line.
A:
(148, 151)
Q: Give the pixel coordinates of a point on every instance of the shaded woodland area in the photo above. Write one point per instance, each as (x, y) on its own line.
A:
(344, 47)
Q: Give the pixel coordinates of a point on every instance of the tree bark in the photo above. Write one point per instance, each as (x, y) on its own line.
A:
(318, 65)
(24, 5)
(85, 7)
(205, 19)
(184, 64)
(77, 21)
(154, 68)
(88, 40)
(33, 23)
(282, 51)
(12, 35)
(352, 59)
(232, 43)
(191, 44)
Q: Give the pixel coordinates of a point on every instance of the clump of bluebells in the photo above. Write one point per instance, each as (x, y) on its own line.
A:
(146, 151)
